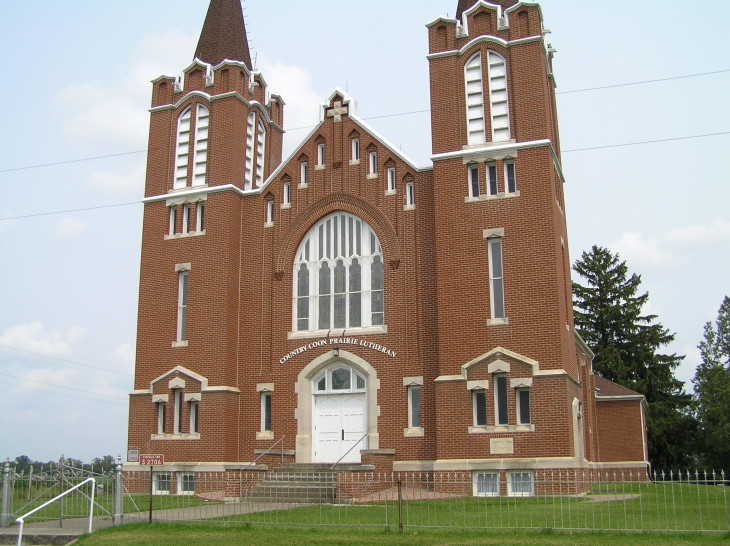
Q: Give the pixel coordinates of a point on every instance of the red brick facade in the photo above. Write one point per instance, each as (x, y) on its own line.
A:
(497, 391)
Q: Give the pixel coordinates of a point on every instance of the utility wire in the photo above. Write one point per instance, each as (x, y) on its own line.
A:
(69, 210)
(642, 82)
(64, 360)
(71, 161)
(62, 394)
(645, 142)
(61, 386)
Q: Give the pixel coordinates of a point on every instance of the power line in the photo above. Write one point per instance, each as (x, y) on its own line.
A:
(71, 161)
(61, 386)
(646, 142)
(62, 394)
(64, 360)
(642, 82)
(69, 210)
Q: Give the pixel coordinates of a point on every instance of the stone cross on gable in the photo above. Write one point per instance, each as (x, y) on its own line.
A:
(337, 112)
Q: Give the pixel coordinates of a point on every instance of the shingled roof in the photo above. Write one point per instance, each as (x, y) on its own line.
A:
(604, 387)
(224, 34)
(466, 4)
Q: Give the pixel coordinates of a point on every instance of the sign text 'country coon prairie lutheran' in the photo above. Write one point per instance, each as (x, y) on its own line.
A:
(338, 341)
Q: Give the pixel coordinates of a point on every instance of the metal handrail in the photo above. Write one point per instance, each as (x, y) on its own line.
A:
(21, 519)
(348, 451)
(266, 453)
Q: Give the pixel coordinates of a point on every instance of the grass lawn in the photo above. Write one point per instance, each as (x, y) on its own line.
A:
(202, 534)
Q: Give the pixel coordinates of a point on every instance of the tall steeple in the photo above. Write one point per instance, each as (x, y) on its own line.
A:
(224, 34)
(466, 4)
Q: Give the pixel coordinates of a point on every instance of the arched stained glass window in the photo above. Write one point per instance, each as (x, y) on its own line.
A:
(338, 276)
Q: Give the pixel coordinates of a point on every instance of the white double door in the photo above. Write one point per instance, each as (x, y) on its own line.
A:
(339, 423)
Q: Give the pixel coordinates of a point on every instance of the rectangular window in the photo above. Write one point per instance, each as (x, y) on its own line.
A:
(473, 181)
(186, 219)
(520, 483)
(414, 406)
(162, 483)
(479, 402)
(303, 174)
(286, 193)
(177, 424)
(265, 411)
(186, 483)
(496, 279)
(500, 399)
(320, 154)
(373, 163)
(410, 194)
(194, 420)
(509, 177)
(356, 149)
(269, 212)
(161, 411)
(200, 218)
(391, 179)
(182, 306)
(173, 220)
(486, 484)
(523, 406)
(492, 179)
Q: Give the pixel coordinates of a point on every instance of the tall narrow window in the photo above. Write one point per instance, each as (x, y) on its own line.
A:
(303, 174)
(492, 179)
(474, 100)
(414, 406)
(474, 181)
(186, 218)
(182, 148)
(177, 417)
(373, 163)
(509, 177)
(161, 410)
(391, 179)
(265, 412)
(286, 193)
(250, 136)
(182, 306)
(260, 153)
(496, 279)
(200, 217)
(499, 105)
(320, 154)
(201, 145)
(410, 194)
(500, 399)
(194, 419)
(173, 220)
(355, 149)
(479, 403)
(523, 406)
(270, 212)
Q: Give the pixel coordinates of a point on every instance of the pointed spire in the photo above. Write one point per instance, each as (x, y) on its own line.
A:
(464, 5)
(224, 34)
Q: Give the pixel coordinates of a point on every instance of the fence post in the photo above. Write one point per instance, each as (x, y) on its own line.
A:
(7, 499)
(118, 494)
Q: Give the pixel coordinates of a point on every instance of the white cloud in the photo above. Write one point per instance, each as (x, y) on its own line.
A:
(639, 250)
(115, 182)
(124, 355)
(68, 227)
(717, 231)
(42, 378)
(34, 337)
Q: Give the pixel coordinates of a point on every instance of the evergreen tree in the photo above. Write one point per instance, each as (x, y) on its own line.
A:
(608, 316)
(712, 389)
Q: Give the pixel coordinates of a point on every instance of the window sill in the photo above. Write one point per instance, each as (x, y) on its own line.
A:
(409, 207)
(302, 186)
(390, 192)
(497, 321)
(413, 432)
(184, 235)
(177, 344)
(354, 162)
(188, 187)
(372, 176)
(319, 167)
(483, 429)
(370, 330)
(286, 205)
(269, 224)
(266, 435)
(480, 198)
(193, 436)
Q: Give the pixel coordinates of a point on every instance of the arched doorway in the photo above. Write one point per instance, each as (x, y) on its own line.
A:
(339, 414)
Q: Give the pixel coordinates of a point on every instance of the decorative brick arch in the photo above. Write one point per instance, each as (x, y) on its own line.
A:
(383, 228)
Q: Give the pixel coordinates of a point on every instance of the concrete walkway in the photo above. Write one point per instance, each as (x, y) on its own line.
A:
(49, 532)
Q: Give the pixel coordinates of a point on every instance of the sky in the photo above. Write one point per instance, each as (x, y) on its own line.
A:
(77, 87)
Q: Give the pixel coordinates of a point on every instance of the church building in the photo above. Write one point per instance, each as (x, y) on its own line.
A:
(346, 306)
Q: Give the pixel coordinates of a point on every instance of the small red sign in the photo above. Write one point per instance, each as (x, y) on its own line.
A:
(151, 460)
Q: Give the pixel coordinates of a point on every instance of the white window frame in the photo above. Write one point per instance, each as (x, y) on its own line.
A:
(200, 217)
(304, 174)
(180, 477)
(475, 395)
(182, 305)
(474, 189)
(355, 150)
(186, 219)
(414, 410)
(182, 148)
(260, 153)
(501, 379)
(498, 96)
(494, 476)
(269, 212)
(496, 278)
(513, 476)
(519, 393)
(194, 408)
(200, 161)
(250, 137)
(266, 411)
(474, 89)
(373, 163)
(177, 396)
(320, 154)
(286, 194)
(492, 179)
(173, 220)
(160, 477)
(161, 415)
(410, 195)
(390, 190)
(510, 178)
